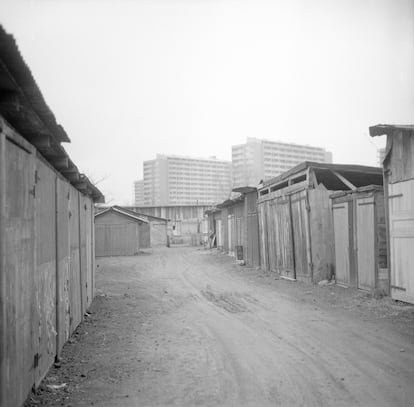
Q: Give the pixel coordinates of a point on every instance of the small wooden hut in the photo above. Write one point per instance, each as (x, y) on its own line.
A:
(120, 233)
(360, 238)
(158, 228)
(398, 168)
(234, 225)
(295, 217)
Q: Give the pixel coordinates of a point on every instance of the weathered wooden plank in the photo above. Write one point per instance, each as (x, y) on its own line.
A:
(83, 265)
(74, 263)
(63, 262)
(322, 234)
(299, 214)
(366, 253)
(3, 287)
(341, 222)
(401, 213)
(45, 329)
(18, 258)
(89, 253)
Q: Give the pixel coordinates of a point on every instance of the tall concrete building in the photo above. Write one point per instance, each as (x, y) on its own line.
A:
(178, 180)
(259, 159)
(139, 193)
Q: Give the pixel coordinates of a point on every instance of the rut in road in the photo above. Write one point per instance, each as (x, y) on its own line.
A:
(186, 327)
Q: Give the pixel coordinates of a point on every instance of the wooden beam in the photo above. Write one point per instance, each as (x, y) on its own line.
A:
(71, 174)
(40, 141)
(60, 162)
(81, 186)
(344, 180)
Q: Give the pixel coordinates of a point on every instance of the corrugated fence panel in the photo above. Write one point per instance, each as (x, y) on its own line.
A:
(89, 253)
(283, 232)
(17, 279)
(299, 219)
(84, 267)
(264, 251)
(321, 230)
(63, 262)
(45, 334)
(253, 258)
(40, 283)
(74, 262)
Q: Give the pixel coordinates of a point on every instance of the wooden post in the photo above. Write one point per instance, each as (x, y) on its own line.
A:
(387, 225)
(292, 236)
(308, 236)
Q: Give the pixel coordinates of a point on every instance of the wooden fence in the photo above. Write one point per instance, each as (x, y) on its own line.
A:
(46, 265)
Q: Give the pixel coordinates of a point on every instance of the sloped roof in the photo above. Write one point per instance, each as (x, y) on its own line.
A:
(244, 190)
(144, 215)
(123, 212)
(341, 168)
(22, 105)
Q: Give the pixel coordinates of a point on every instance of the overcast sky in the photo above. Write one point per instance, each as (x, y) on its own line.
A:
(129, 79)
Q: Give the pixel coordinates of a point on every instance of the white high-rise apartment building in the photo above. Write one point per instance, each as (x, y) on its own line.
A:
(259, 159)
(139, 193)
(179, 180)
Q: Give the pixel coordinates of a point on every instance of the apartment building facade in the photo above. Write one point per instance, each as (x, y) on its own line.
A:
(260, 159)
(179, 180)
(139, 192)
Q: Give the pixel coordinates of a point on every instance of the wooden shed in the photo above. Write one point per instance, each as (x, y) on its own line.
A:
(158, 228)
(360, 238)
(232, 216)
(234, 224)
(398, 166)
(47, 261)
(120, 233)
(251, 247)
(295, 217)
(215, 227)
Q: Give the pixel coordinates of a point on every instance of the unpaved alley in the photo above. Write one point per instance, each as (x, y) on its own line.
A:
(188, 327)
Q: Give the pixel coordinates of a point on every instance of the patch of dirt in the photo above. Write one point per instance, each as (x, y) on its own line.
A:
(186, 327)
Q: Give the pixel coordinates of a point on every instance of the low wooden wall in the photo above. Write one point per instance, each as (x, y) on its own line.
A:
(296, 234)
(46, 265)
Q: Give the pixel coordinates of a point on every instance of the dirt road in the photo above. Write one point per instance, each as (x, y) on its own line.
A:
(187, 327)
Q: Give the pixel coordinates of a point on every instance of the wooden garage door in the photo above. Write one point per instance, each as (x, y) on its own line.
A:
(281, 252)
(401, 210)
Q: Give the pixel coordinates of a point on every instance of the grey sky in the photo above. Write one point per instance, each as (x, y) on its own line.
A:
(129, 79)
